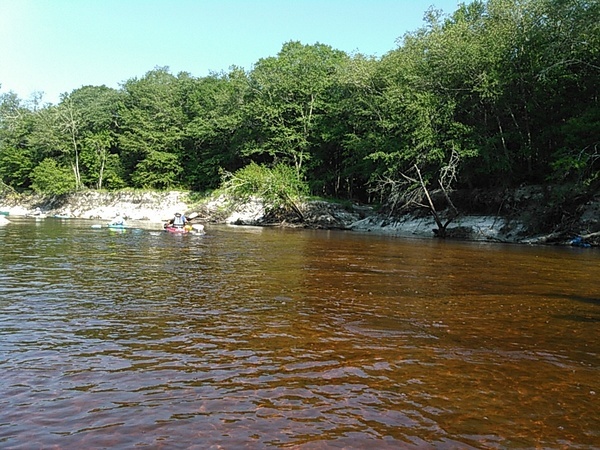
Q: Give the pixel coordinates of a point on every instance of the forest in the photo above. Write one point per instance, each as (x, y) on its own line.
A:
(499, 93)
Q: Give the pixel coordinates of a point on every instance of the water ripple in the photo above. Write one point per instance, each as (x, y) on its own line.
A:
(289, 339)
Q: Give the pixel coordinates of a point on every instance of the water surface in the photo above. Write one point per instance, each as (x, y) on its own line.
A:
(269, 338)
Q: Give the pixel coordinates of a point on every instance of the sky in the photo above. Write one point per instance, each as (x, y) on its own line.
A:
(57, 46)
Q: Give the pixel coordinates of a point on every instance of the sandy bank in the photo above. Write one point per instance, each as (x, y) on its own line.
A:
(148, 206)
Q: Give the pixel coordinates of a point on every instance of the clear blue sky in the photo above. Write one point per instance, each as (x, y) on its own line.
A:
(57, 46)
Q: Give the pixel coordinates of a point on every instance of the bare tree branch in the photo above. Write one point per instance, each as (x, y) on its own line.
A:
(407, 191)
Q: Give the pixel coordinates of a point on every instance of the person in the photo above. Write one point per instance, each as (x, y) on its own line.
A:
(38, 214)
(179, 220)
(118, 220)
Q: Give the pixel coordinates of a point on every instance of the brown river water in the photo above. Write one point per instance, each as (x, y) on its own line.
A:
(269, 338)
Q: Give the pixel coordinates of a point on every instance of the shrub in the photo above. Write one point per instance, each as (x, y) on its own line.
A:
(50, 178)
(278, 187)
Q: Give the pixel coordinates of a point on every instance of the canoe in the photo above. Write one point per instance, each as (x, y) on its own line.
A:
(4, 213)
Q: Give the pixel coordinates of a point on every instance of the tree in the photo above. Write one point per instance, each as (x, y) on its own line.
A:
(97, 110)
(288, 99)
(158, 170)
(95, 154)
(214, 129)
(16, 160)
(569, 72)
(151, 122)
(69, 122)
(50, 178)
(417, 191)
(416, 126)
(339, 167)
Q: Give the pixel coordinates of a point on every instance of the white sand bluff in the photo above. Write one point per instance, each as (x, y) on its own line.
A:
(151, 206)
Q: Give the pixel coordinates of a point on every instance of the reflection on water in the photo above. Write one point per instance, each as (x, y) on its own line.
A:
(258, 338)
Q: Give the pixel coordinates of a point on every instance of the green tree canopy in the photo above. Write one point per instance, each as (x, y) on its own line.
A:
(504, 91)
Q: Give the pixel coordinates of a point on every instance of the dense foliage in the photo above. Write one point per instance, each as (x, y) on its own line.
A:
(278, 187)
(506, 90)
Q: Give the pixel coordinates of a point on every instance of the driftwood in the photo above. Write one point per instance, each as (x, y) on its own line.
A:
(591, 235)
(552, 237)
(562, 237)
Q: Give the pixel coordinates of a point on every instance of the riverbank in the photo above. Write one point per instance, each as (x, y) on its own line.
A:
(514, 220)
(133, 205)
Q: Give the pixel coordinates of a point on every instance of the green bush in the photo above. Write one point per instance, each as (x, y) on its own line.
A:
(278, 187)
(50, 178)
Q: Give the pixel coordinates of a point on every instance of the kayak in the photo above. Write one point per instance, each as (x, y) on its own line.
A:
(182, 230)
(37, 214)
(194, 229)
(112, 226)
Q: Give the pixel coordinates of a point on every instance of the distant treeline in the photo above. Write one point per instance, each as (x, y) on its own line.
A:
(500, 93)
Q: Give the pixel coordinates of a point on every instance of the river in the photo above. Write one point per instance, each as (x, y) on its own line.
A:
(276, 338)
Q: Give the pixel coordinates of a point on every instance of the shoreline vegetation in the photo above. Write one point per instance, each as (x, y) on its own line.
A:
(481, 124)
(514, 223)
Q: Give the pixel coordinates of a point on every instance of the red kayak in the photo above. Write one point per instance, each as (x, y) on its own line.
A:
(178, 229)
(194, 229)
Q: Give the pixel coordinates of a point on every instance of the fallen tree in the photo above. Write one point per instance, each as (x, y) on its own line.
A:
(411, 192)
